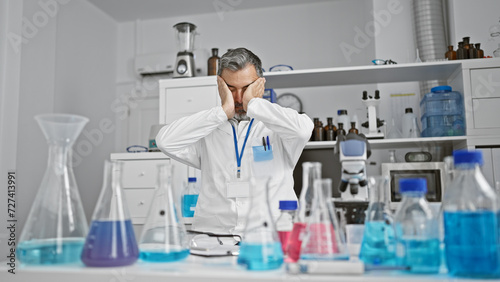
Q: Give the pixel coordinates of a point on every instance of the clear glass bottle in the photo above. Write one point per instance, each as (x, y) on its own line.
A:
(407, 123)
(260, 248)
(111, 239)
(213, 62)
(330, 130)
(164, 237)
(378, 245)
(470, 211)
(323, 239)
(310, 172)
(190, 198)
(284, 223)
(56, 227)
(416, 229)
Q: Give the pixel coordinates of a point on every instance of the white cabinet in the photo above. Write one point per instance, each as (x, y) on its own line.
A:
(186, 96)
(139, 180)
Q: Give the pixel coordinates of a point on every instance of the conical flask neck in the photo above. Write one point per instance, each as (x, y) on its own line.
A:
(61, 129)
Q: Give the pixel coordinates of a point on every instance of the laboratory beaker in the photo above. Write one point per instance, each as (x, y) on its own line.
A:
(323, 239)
(111, 239)
(260, 246)
(378, 245)
(56, 227)
(310, 172)
(164, 237)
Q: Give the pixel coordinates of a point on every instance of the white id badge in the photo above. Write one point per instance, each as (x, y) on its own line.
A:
(238, 189)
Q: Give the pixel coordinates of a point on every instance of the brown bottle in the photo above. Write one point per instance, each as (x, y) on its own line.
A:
(340, 130)
(315, 122)
(480, 52)
(461, 52)
(319, 134)
(466, 46)
(213, 62)
(330, 130)
(450, 54)
(472, 51)
(353, 128)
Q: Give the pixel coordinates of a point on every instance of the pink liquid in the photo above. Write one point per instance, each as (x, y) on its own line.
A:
(294, 242)
(322, 240)
(284, 235)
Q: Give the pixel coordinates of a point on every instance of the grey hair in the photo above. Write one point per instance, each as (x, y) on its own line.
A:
(237, 59)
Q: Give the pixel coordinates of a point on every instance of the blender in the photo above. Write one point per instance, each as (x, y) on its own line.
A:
(184, 64)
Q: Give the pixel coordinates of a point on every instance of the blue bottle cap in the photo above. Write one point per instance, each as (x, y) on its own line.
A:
(191, 179)
(288, 205)
(442, 88)
(413, 185)
(469, 157)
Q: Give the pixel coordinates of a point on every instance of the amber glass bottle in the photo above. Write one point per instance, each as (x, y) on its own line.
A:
(472, 51)
(330, 130)
(213, 62)
(319, 134)
(353, 128)
(461, 52)
(480, 52)
(340, 130)
(450, 54)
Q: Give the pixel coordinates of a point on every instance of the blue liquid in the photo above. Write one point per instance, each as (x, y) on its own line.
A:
(110, 243)
(378, 244)
(260, 256)
(161, 256)
(50, 251)
(188, 204)
(422, 256)
(471, 243)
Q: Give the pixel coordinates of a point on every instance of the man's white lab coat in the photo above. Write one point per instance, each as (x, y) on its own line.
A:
(205, 141)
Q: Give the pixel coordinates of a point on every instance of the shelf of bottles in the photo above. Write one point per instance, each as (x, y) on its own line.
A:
(456, 142)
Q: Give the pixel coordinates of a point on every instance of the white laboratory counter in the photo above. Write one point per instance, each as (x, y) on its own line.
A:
(193, 269)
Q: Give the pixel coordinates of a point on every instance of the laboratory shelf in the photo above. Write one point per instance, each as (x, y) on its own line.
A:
(399, 143)
(441, 70)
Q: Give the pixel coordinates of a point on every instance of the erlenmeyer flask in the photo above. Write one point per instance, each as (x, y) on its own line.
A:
(323, 239)
(310, 172)
(378, 245)
(56, 227)
(164, 237)
(260, 247)
(394, 132)
(111, 239)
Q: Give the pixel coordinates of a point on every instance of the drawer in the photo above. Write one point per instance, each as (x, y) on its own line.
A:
(486, 113)
(141, 173)
(139, 201)
(485, 83)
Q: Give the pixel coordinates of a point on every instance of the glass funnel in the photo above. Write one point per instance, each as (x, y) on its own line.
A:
(111, 239)
(260, 247)
(378, 245)
(56, 227)
(323, 239)
(164, 237)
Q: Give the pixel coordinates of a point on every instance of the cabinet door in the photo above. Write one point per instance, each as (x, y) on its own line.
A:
(184, 101)
(143, 114)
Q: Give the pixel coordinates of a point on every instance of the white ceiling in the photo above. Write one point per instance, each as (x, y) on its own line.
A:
(130, 10)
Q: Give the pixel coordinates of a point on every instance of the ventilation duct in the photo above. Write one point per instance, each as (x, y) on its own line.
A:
(430, 31)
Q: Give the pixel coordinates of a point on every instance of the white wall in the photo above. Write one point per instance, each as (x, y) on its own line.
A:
(68, 65)
(474, 19)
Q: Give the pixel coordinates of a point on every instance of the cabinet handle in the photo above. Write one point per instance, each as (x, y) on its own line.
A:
(142, 173)
(141, 203)
(189, 100)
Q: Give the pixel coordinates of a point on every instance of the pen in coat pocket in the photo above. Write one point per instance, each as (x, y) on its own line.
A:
(264, 143)
(268, 143)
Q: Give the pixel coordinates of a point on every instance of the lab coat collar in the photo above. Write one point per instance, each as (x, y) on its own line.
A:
(226, 126)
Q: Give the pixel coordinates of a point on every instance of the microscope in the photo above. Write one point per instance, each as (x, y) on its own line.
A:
(353, 150)
(373, 122)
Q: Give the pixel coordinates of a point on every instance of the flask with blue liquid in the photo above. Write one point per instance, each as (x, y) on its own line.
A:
(260, 248)
(416, 228)
(111, 239)
(190, 198)
(378, 247)
(164, 237)
(470, 215)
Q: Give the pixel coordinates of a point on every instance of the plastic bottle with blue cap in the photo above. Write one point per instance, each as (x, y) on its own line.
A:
(417, 235)
(284, 223)
(190, 198)
(470, 215)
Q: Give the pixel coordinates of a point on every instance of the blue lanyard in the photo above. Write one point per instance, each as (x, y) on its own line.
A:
(238, 156)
